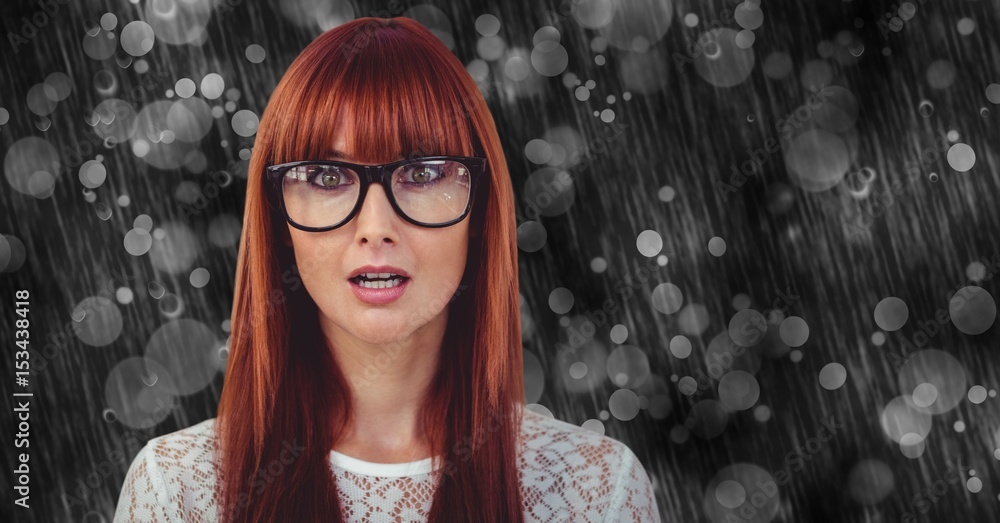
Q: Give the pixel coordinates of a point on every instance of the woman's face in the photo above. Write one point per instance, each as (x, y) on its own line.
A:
(434, 259)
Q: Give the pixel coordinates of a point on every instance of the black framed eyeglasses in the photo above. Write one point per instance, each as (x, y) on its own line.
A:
(429, 191)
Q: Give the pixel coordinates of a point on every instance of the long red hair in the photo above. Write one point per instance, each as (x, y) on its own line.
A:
(406, 94)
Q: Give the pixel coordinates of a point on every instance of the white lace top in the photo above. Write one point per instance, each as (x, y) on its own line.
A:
(567, 473)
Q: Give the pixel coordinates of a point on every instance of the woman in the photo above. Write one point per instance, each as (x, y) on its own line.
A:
(375, 368)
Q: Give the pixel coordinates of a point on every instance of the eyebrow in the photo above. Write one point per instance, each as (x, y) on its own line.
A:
(334, 154)
(337, 155)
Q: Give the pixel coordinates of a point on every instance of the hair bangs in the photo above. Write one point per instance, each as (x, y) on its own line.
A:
(417, 111)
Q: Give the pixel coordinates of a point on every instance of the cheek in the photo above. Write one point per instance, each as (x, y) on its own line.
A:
(446, 257)
(317, 262)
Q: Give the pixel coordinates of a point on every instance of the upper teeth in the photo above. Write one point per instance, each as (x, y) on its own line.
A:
(373, 275)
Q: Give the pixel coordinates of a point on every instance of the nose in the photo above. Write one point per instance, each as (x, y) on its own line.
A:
(376, 219)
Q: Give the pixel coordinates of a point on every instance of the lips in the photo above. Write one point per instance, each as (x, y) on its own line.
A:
(380, 294)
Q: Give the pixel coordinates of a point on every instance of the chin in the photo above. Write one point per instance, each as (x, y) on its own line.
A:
(376, 336)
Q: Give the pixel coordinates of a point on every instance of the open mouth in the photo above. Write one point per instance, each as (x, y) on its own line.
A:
(378, 281)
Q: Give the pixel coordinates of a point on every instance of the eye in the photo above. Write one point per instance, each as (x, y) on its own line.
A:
(328, 176)
(424, 173)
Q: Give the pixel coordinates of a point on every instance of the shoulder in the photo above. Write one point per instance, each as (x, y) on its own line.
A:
(576, 472)
(183, 449)
(542, 434)
(171, 477)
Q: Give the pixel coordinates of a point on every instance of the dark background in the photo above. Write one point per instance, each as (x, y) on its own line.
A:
(858, 195)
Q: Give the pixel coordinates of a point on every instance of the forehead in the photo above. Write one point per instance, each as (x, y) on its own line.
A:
(339, 148)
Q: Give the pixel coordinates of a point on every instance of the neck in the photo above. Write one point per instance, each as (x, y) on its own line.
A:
(389, 384)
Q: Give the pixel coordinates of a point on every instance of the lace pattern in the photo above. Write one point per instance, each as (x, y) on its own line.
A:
(567, 473)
